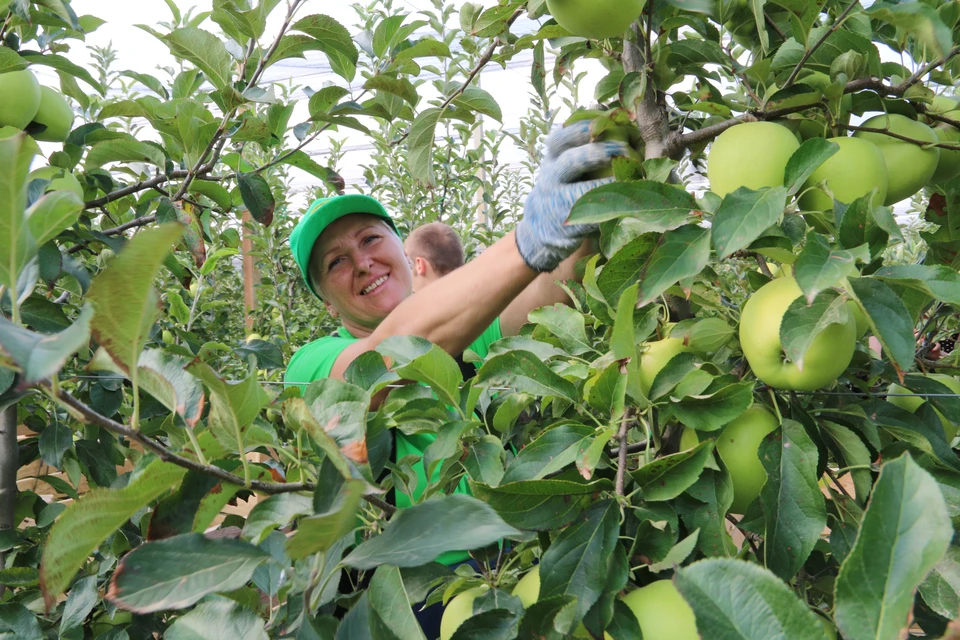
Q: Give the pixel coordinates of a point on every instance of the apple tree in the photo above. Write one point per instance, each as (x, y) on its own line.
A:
(741, 426)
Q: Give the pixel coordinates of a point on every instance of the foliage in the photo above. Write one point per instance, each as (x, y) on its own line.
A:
(123, 349)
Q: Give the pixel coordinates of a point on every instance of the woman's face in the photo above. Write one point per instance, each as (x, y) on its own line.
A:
(360, 270)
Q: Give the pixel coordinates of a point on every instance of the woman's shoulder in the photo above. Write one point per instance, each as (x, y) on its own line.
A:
(315, 359)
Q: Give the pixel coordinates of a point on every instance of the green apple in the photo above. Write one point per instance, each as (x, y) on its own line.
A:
(194, 287)
(254, 336)
(459, 610)
(737, 445)
(752, 155)
(595, 19)
(941, 106)
(688, 439)
(528, 589)
(949, 165)
(655, 357)
(19, 98)
(827, 357)
(54, 116)
(60, 180)
(662, 612)
(853, 171)
(863, 325)
(909, 166)
(167, 336)
(912, 403)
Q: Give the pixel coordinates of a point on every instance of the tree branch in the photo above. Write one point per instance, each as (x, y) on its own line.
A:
(8, 472)
(622, 454)
(920, 143)
(809, 52)
(89, 416)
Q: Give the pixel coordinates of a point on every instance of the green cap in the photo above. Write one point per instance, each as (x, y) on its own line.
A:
(320, 215)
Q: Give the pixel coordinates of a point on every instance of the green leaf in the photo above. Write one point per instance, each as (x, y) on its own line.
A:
(712, 410)
(889, 319)
(681, 253)
(863, 223)
(904, 533)
(41, 356)
(476, 99)
(744, 215)
(669, 476)
(302, 161)
(324, 99)
(318, 533)
(17, 245)
(919, 20)
(341, 410)
(623, 341)
(400, 87)
(274, 512)
(736, 600)
(83, 597)
(438, 370)
(10, 60)
(123, 150)
(540, 505)
(177, 572)
(55, 440)
(18, 623)
(551, 451)
(205, 50)
(625, 266)
(123, 297)
(218, 619)
(853, 453)
(659, 207)
(60, 63)
(577, 561)
(941, 588)
(793, 507)
(420, 146)
(256, 196)
(419, 534)
(524, 371)
(89, 521)
(334, 40)
(233, 406)
(819, 267)
(297, 415)
(52, 213)
(805, 160)
(680, 552)
(567, 324)
(938, 282)
(803, 322)
(390, 605)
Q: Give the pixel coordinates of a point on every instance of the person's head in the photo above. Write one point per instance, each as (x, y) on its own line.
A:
(351, 257)
(434, 250)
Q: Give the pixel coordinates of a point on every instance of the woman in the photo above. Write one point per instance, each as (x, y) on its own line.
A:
(352, 258)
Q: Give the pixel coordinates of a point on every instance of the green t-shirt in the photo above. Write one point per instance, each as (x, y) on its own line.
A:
(315, 360)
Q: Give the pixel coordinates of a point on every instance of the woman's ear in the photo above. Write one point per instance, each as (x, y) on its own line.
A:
(333, 312)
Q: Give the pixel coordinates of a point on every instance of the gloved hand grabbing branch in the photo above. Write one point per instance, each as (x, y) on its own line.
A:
(542, 237)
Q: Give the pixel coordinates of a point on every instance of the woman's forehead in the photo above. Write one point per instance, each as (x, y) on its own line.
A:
(345, 227)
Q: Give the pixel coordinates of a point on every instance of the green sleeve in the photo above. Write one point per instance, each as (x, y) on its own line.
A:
(481, 346)
(315, 360)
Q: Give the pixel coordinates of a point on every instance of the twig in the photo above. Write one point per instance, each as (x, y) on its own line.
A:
(837, 482)
(764, 269)
(898, 136)
(90, 416)
(809, 52)
(636, 447)
(648, 43)
(773, 25)
(477, 68)
(622, 457)
(749, 536)
(8, 472)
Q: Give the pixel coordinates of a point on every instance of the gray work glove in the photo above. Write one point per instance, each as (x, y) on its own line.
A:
(542, 237)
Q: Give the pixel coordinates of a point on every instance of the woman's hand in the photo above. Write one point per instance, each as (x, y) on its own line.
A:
(542, 237)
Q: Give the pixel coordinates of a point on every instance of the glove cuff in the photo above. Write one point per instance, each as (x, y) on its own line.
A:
(535, 253)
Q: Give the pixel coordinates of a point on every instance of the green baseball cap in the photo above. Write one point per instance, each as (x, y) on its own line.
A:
(320, 215)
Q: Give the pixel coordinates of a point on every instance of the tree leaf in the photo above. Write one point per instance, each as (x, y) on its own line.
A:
(667, 477)
(681, 253)
(625, 267)
(523, 371)
(83, 597)
(493, 624)
(19, 622)
(904, 533)
(680, 552)
(805, 160)
(438, 370)
(123, 297)
(793, 509)
(660, 207)
(61, 63)
(941, 588)
(177, 572)
(11, 61)
(41, 356)
(713, 409)
(89, 521)
(55, 440)
(256, 196)
(919, 20)
(567, 324)
(540, 505)
(217, 619)
(861, 222)
(936, 281)
(390, 605)
(744, 215)
(623, 340)
(419, 534)
(123, 150)
(578, 560)
(400, 87)
(205, 50)
(550, 451)
(476, 99)
(233, 406)
(420, 146)
(52, 213)
(888, 318)
(17, 245)
(318, 533)
(334, 40)
(819, 267)
(274, 512)
(736, 600)
(803, 322)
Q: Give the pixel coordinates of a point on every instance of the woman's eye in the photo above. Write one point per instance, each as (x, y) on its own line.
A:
(370, 239)
(334, 263)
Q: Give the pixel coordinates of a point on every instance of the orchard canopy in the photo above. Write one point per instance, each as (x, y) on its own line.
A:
(742, 425)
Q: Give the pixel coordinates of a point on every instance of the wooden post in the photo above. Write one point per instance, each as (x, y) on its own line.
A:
(251, 276)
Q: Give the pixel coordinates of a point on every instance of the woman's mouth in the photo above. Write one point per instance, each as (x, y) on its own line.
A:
(373, 286)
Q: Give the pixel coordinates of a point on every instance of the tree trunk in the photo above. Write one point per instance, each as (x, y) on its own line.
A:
(8, 471)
